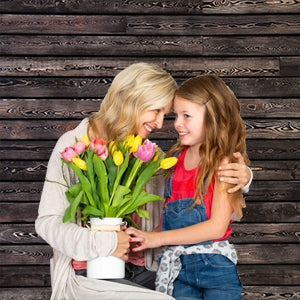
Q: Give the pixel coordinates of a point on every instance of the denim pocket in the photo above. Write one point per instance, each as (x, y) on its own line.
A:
(220, 261)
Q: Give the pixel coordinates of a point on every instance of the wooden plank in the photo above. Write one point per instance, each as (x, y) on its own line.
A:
(250, 45)
(284, 212)
(32, 276)
(252, 6)
(272, 253)
(275, 170)
(269, 274)
(82, 108)
(151, 7)
(256, 149)
(25, 255)
(289, 66)
(53, 87)
(271, 292)
(247, 254)
(272, 149)
(269, 212)
(255, 233)
(147, 46)
(100, 67)
(273, 191)
(93, 45)
(264, 233)
(30, 293)
(102, 6)
(261, 275)
(19, 234)
(248, 293)
(21, 191)
(260, 191)
(144, 25)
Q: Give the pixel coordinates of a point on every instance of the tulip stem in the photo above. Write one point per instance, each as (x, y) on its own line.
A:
(132, 175)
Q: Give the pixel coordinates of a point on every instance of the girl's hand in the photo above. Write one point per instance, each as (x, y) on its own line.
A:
(123, 246)
(235, 173)
(143, 239)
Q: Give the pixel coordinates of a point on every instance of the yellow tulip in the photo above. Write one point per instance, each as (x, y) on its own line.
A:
(168, 163)
(85, 139)
(79, 163)
(156, 155)
(137, 141)
(128, 142)
(118, 158)
(112, 147)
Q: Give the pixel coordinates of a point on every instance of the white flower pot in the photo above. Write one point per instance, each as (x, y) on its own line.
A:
(109, 267)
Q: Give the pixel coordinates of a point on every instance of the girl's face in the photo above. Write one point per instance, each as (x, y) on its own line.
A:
(189, 122)
(152, 119)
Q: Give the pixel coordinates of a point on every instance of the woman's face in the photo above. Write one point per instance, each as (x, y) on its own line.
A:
(152, 119)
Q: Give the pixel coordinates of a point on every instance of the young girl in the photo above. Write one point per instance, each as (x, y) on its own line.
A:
(198, 210)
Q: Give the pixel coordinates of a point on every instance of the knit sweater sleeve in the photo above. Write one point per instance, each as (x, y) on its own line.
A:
(69, 238)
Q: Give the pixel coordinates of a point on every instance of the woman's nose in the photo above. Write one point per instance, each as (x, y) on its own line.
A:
(159, 121)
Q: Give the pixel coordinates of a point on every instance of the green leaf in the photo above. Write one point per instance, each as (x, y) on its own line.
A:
(90, 210)
(75, 189)
(90, 167)
(119, 195)
(142, 213)
(145, 176)
(112, 173)
(72, 209)
(101, 172)
(85, 182)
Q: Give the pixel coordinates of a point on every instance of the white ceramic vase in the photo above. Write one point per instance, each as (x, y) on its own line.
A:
(108, 267)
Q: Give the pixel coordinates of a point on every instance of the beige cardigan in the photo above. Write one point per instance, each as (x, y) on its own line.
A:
(69, 240)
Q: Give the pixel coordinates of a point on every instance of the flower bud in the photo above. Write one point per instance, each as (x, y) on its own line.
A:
(85, 139)
(137, 141)
(118, 158)
(69, 153)
(79, 163)
(168, 163)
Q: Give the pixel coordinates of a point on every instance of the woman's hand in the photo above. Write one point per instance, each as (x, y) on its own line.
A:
(234, 173)
(123, 246)
(143, 239)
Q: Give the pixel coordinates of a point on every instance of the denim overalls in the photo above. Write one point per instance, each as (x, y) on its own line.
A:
(202, 276)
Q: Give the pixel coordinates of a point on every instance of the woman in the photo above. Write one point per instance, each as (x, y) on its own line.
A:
(136, 103)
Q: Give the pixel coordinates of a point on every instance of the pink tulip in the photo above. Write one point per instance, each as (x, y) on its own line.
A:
(100, 148)
(79, 147)
(146, 151)
(69, 153)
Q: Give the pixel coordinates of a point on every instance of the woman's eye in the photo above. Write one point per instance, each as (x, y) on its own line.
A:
(186, 116)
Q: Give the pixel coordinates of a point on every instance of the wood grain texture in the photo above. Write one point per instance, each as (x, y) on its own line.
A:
(155, 24)
(150, 46)
(58, 59)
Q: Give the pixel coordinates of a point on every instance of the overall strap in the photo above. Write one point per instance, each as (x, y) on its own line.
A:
(168, 185)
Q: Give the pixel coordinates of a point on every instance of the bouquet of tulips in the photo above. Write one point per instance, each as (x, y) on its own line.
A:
(112, 177)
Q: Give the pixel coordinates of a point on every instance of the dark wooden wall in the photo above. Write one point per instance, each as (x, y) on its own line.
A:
(58, 59)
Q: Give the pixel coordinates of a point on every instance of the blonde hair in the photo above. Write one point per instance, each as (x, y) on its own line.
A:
(135, 90)
(224, 130)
